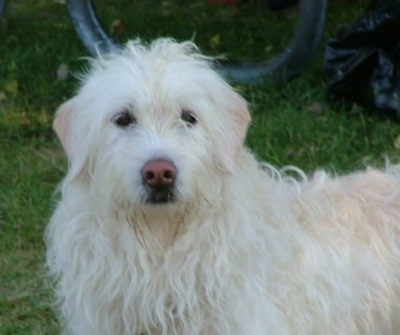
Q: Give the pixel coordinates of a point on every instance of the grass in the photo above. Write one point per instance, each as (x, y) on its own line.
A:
(292, 124)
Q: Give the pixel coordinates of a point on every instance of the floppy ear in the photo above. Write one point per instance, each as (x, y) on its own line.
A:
(235, 122)
(71, 139)
(62, 125)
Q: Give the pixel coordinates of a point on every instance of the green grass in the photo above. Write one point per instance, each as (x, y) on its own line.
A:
(292, 124)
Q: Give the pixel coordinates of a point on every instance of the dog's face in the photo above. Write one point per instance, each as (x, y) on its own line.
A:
(151, 124)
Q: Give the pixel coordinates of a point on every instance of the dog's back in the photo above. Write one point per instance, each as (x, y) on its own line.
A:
(346, 273)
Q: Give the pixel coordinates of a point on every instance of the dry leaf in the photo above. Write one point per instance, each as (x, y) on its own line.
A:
(269, 48)
(3, 97)
(62, 72)
(397, 142)
(117, 28)
(215, 41)
(12, 88)
(316, 107)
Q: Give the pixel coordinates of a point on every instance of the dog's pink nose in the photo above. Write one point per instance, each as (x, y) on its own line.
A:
(159, 173)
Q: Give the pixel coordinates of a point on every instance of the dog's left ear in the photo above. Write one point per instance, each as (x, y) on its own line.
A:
(236, 122)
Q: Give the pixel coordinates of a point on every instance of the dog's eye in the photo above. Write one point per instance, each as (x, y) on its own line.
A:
(124, 119)
(188, 117)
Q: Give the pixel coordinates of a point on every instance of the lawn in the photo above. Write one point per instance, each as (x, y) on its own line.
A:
(292, 123)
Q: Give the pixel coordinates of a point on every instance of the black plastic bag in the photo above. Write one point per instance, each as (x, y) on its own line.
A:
(362, 61)
(279, 4)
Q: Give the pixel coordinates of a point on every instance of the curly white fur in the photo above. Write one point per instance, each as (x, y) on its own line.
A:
(242, 249)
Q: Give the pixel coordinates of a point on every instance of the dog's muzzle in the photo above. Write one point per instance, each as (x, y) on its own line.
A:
(159, 177)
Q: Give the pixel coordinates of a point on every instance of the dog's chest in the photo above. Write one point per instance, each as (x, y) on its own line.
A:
(168, 290)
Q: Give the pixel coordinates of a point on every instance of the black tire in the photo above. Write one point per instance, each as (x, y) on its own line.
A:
(285, 66)
(297, 55)
(2, 7)
(88, 27)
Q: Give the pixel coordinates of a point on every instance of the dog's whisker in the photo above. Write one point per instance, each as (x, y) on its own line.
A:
(140, 236)
(180, 222)
(201, 195)
(186, 213)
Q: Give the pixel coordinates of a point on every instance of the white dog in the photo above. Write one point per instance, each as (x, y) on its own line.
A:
(167, 225)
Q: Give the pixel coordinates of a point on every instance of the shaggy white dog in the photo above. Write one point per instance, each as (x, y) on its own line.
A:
(167, 225)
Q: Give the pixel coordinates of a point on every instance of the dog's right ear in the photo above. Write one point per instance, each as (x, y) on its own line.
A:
(62, 125)
(72, 143)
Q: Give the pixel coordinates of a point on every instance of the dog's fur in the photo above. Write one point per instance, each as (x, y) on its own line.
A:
(235, 247)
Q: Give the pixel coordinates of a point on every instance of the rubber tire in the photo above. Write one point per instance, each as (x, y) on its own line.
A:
(2, 7)
(283, 67)
(88, 27)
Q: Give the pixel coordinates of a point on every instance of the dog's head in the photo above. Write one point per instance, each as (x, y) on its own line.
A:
(151, 123)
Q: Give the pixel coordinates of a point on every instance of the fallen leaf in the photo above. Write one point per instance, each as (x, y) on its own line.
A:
(269, 48)
(44, 117)
(116, 28)
(215, 41)
(3, 97)
(315, 107)
(12, 88)
(62, 72)
(397, 142)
